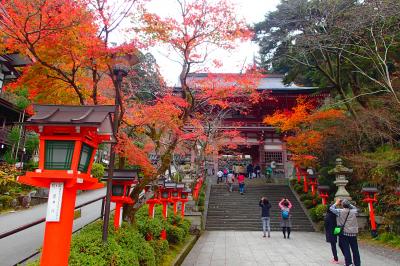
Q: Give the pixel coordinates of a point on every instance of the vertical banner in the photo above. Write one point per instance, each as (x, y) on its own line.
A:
(54, 202)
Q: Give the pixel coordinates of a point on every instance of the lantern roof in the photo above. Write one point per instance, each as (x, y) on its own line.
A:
(323, 188)
(170, 185)
(122, 175)
(369, 190)
(98, 116)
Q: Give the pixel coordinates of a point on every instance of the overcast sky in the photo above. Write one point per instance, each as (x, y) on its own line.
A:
(251, 10)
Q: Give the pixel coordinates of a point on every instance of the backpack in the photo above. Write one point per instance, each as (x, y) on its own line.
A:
(285, 214)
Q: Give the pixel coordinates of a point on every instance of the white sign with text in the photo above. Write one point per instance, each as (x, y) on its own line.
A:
(54, 202)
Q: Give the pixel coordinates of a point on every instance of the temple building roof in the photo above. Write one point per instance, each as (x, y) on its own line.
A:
(273, 82)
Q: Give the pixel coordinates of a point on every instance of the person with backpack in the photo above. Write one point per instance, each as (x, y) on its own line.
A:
(347, 230)
(285, 205)
(265, 215)
(330, 224)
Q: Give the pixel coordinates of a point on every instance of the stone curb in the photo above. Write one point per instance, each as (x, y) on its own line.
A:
(185, 251)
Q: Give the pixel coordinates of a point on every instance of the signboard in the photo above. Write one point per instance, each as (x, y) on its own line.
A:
(120, 215)
(54, 202)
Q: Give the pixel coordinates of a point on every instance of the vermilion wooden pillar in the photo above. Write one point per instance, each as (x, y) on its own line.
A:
(57, 235)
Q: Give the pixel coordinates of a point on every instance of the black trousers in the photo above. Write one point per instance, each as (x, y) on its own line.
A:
(334, 250)
(284, 229)
(348, 243)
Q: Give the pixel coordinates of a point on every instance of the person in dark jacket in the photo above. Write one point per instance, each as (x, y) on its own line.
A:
(250, 170)
(330, 224)
(265, 215)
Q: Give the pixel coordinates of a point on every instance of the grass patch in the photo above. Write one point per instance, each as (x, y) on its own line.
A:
(390, 240)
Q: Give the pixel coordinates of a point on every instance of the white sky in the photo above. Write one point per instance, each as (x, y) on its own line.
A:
(251, 10)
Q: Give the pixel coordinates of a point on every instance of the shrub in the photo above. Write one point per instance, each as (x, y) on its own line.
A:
(298, 188)
(175, 234)
(307, 196)
(160, 248)
(5, 200)
(320, 210)
(148, 226)
(308, 204)
(124, 247)
(201, 199)
(87, 249)
(31, 165)
(312, 214)
(97, 170)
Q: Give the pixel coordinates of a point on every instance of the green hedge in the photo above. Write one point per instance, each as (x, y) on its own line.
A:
(124, 247)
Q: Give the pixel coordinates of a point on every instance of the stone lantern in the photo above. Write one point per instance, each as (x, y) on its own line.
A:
(341, 171)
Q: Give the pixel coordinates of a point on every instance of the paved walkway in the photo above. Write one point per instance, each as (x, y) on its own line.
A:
(249, 248)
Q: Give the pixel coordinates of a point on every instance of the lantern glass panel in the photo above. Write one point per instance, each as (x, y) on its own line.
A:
(183, 195)
(175, 194)
(164, 195)
(118, 190)
(86, 154)
(58, 154)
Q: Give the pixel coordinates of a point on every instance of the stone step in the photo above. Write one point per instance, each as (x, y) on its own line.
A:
(232, 211)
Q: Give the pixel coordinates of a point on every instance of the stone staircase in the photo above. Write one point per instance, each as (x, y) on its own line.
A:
(232, 211)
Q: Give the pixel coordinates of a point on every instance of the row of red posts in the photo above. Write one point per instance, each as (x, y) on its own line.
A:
(165, 193)
(370, 193)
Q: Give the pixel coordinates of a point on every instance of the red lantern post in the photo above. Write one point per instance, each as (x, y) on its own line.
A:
(68, 139)
(184, 198)
(370, 197)
(323, 193)
(122, 181)
(176, 196)
(312, 180)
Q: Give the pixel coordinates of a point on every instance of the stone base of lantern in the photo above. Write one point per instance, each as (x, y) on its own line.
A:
(341, 192)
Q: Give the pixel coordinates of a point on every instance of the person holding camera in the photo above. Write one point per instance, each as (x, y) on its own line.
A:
(265, 215)
(347, 222)
(285, 205)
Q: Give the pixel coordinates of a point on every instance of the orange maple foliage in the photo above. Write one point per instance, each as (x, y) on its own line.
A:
(125, 148)
(302, 127)
(201, 26)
